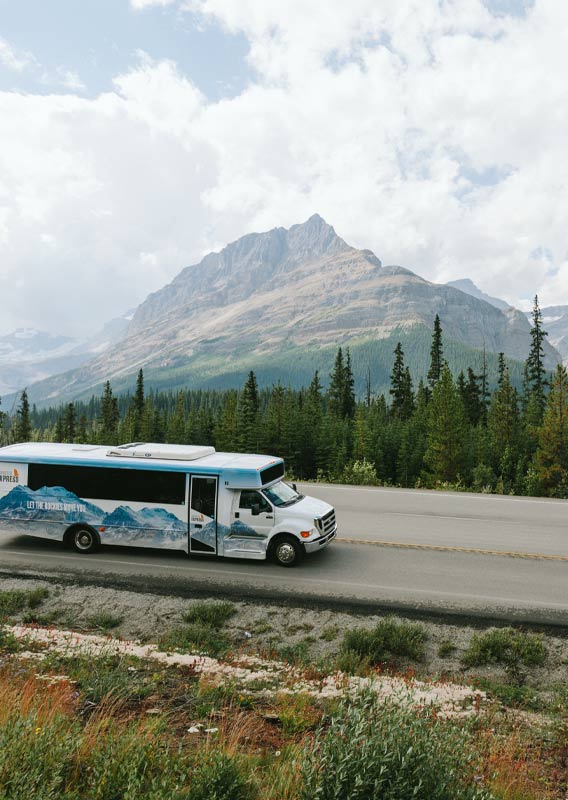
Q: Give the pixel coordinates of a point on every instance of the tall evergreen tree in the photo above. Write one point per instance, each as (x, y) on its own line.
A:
(137, 407)
(109, 416)
(341, 387)
(82, 435)
(3, 416)
(535, 362)
(59, 433)
(552, 454)
(436, 354)
(447, 429)
(368, 394)
(23, 422)
(501, 368)
(485, 395)
(249, 430)
(69, 423)
(503, 428)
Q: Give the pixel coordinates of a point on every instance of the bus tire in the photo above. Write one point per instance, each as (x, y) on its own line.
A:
(83, 539)
(286, 550)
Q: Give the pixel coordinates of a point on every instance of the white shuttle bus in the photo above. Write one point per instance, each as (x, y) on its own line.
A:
(154, 495)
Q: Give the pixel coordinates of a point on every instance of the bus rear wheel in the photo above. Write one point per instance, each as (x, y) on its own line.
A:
(287, 551)
(84, 540)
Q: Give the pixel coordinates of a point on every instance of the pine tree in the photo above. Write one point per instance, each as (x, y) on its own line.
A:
(447, 428)
(368, 394)
(109, 416)
(69, 423)
(503, 428)
(552, 454)
(82, 435)
(341, 387)
(401, 387)
(2, 422)
(23, 423)
(59, 433)
(501, 367)
(472, 398)
(536, 372)
(337, 385)
(249, 433)
(349, 404)
(484, 387)
(138, 406)
(436, 354)
(177, 422)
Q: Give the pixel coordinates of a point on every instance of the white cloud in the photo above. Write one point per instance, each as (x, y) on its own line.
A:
(140, 4)
(16, 61)
(378, 116)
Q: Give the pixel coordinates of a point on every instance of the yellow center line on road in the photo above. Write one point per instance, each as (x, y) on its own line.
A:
(451, 549)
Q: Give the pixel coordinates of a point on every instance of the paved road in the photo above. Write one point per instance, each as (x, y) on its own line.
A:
(420, 579)
(486, 522)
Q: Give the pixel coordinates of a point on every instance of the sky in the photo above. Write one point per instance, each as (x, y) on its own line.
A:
(138, 135)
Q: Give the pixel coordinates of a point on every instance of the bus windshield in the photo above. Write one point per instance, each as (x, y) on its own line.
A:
(281, 494)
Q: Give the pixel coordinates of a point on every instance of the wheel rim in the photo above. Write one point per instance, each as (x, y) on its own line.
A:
(83, 540)
(286, 553)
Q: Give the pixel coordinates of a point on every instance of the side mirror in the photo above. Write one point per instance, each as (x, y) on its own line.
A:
(255, 509)
(294, 487)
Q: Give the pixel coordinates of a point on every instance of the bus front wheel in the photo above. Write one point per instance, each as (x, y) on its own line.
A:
(84, 539)
(287, 551)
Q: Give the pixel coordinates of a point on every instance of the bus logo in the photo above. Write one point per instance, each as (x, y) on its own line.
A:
(10, 477)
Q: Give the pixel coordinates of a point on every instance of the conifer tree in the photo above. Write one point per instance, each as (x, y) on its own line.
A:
(436, 354)
(503, 428)
(472, 399)
(82, 435)
(177, 421)
(368, 394)
(336, 385)
(2, 422)
(109, 416)
(536, 372)
(69, 423)
(401, 388)
(501, 368)
(484, 387)
(447, 427)
(137, 406)
(249, 433)
(552, 454)
(59, 433)
(349, 404)
(23, 423)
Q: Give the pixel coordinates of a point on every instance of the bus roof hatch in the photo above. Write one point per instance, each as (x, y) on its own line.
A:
(166, 452)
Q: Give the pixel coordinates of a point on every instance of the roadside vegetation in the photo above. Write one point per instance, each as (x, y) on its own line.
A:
(109, 726)
(482, 429)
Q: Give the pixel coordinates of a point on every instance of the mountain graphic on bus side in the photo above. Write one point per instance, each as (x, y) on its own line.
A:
(56, 504)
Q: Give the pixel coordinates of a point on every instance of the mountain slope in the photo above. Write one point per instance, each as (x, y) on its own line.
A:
(468, 286)
(298, 290)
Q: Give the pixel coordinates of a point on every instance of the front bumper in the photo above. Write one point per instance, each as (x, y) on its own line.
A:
(321, 542)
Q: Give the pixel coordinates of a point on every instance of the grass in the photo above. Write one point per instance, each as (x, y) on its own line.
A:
(446, 648)
(14, 600)
(211, 615)
(388, 641)
(196, 638)
(104, 621)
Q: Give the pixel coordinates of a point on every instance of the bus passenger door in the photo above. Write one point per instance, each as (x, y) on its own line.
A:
(203, 515)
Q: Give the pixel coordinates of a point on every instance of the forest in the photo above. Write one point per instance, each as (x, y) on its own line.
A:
(449, 431)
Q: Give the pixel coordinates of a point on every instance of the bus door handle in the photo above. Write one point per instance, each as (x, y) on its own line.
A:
(197, 526)
(269, 516)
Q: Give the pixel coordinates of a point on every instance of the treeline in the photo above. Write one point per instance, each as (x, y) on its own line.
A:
(446, 432)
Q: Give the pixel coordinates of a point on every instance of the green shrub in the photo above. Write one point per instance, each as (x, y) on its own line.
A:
(514, 650)
(360, 473)
(387, 640)
(446, 648)
(104, 621)
(372, 750)
(14, 600)
(213, 615)
(218, 777)
(196, 638)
